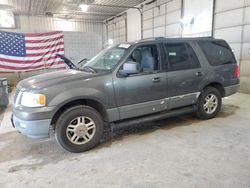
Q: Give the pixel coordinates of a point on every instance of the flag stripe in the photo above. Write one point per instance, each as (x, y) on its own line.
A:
(45, 50)
(42, 34)
(43, 41)
(28, 61)
(41, 65)
(43, 37)
(23, 59)
(45, 53)
(39, 47)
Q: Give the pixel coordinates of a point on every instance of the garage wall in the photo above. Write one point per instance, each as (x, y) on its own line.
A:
(82, 39)
(159, 19)
(197, 18)
(79, 45)
(232, 23)
(162, 19)
(133, 25)
(116, 29)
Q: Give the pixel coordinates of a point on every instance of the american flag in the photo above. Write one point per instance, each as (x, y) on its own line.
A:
(30, 51)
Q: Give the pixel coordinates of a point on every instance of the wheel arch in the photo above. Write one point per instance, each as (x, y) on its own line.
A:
(216, 85)
(98, 106)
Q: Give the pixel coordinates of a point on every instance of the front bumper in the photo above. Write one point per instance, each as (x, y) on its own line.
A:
(34, 128)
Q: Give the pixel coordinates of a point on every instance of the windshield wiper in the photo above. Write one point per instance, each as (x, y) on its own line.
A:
(89, 68)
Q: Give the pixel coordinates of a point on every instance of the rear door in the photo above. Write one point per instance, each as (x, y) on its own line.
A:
(184, 74)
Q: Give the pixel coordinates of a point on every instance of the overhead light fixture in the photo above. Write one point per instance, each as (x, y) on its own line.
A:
(84, 7)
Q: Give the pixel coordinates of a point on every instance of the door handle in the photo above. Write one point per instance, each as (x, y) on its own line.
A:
(156, 79)
(198, 73)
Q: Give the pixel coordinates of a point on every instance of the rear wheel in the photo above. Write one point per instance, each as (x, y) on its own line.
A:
(79, 128)
(209, 103)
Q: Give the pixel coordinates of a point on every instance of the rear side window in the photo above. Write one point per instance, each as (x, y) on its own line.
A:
(217, 52)
(180, 56)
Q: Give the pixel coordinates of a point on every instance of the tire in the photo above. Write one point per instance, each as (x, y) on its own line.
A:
(208, 110)
(79, 129)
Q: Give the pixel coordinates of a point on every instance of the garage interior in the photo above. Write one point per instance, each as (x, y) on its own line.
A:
(177, 152)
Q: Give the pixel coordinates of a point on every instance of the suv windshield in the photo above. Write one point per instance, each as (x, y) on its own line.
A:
(107, 59)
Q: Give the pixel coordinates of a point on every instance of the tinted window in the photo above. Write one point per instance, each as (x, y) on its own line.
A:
(180, 56)
(217, 52)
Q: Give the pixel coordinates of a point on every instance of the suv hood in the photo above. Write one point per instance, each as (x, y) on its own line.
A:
(53, 78)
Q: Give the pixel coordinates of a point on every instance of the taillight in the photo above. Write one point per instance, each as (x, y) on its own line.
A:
(236, 71)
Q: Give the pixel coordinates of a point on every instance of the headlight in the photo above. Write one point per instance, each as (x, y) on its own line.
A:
(33, 100)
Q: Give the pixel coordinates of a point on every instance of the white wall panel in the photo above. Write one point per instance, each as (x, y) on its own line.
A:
(173, 30)
(156, 11)
(246, 33)
(163, 9)
(229, 18)
(154, 18)
(148, 14)
(245, 69)
(246, 52)
(149, 6)
(159, 21)
(173, 17)
(236, 49)
(148, 33)
(247, 15)
(117, 30)
(159, 31)
(173, 5)
(223, 5)
(133, 25)
(79, 45)
(231, 35)
(148, 24)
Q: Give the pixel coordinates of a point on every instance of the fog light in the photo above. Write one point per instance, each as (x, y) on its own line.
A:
(22, 125)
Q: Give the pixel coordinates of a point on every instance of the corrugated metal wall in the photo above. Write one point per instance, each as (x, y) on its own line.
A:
(38, 24)
(232, 23)
(116, 29)
(162, 19)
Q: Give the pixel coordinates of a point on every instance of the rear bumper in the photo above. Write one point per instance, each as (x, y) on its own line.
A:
(229, 90)
(34, 128)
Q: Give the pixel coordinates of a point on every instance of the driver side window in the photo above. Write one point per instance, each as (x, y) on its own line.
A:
(146, 58)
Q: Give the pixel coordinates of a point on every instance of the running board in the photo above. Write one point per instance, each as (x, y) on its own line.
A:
(155, 117)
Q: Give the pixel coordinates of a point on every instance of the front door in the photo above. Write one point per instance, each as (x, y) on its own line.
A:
(144, 92)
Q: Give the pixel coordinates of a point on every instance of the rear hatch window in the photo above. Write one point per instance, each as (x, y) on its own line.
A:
(217, 52)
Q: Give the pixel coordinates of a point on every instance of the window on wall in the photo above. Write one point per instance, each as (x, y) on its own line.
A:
(180, 56)
(217, 52)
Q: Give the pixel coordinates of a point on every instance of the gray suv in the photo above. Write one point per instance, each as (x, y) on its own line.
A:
(124, 85)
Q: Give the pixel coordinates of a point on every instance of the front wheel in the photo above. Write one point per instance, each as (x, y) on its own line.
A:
(209, 103)
(79, 128)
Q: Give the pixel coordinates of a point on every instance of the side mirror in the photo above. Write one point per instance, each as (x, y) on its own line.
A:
(129, 67)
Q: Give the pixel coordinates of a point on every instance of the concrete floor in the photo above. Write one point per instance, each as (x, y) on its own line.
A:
(177, 152)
